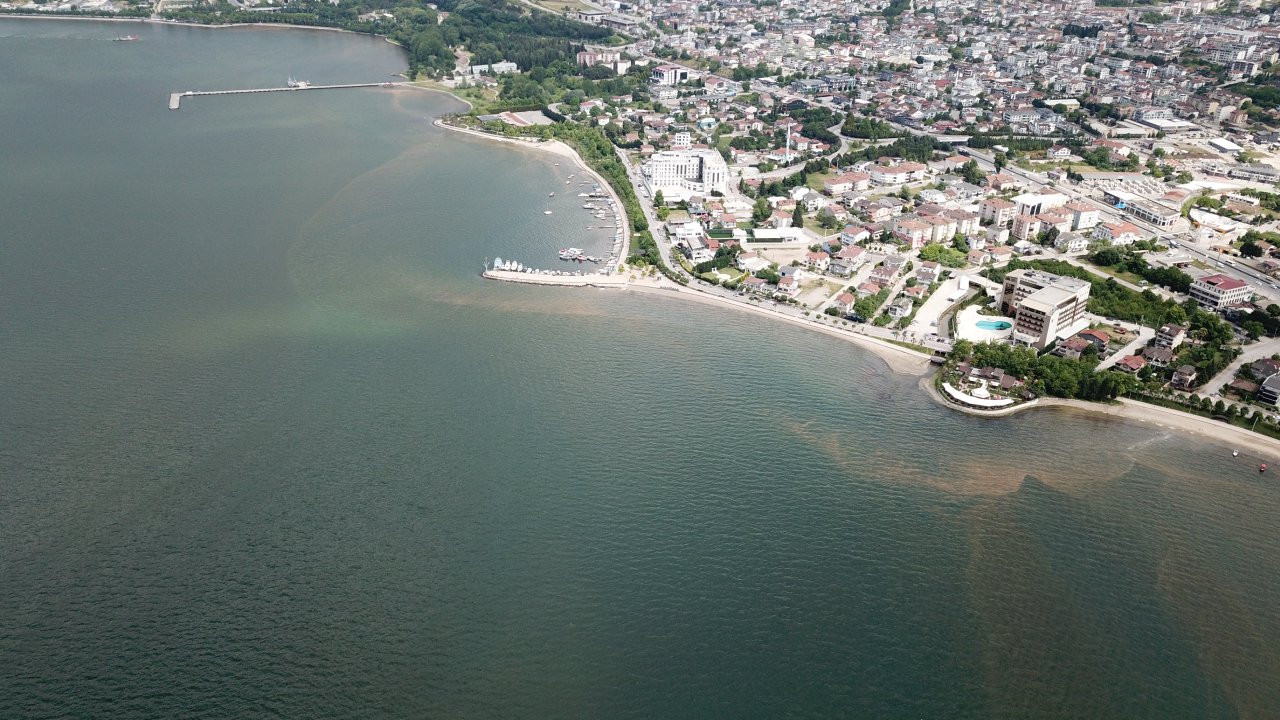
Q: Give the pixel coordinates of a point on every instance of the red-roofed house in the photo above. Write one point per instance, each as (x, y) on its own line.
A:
(819, 261)
(1120, 233)
(1131, 363)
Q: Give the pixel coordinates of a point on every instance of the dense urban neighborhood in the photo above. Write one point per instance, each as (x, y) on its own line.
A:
(1069, 199)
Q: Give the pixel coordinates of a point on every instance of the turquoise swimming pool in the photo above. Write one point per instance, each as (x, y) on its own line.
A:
(994, 324)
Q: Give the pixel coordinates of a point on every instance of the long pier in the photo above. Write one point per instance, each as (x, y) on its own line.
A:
(175, 99)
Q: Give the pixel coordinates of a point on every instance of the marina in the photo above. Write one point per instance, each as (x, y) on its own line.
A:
(606, 276)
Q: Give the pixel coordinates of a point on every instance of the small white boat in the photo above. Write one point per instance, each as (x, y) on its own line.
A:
(1235, 453)
(546, 212)
(551, 194)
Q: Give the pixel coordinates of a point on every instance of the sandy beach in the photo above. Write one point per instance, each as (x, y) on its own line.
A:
(899, 359)
(1124, 408)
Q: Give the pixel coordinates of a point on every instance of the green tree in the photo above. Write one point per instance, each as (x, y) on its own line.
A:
(761, 211)
(971, 173)
(797, 217)
(658, 200)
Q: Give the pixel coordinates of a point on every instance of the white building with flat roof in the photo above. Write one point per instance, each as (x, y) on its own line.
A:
(1044, 306)
(1218, 291)
(682, 174)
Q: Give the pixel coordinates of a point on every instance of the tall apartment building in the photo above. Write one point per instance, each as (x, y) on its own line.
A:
(1044, 306)
(681, 174)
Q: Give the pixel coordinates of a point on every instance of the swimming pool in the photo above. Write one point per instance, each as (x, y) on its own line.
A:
(994, 324)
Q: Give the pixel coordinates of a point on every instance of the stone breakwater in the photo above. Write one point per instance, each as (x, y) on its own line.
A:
(536, 277)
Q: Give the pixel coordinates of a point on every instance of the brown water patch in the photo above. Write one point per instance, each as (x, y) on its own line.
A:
(977, 474)
(1233, 644)
(1037, 650)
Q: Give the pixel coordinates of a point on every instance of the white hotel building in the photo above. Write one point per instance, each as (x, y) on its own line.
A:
(682, 174)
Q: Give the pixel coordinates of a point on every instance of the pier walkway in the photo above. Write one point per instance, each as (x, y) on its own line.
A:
(175, 99)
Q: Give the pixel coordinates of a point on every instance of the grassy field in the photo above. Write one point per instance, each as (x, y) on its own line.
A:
(1119, 275)
(815, 180)
(479, 97)
(562, 6)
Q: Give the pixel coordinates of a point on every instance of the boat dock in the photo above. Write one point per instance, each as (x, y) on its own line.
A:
(175, 99)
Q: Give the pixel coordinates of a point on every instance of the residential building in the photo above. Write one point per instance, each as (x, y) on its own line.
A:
(1131, 363)
(998, 211)
(900, 308)
(1158, 356)
(846, 182)
(1117, 234)
(1184, 377)
(1170, 336)
(1071, 243)
(897, 174)
(928, 272)
(598, 57)
(1269, 390)
(1083, 215)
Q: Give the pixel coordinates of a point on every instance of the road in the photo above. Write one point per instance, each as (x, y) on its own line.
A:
(1261, 349)
(1262, 284)
(656, 227)
(1144, 336)
(927, 317)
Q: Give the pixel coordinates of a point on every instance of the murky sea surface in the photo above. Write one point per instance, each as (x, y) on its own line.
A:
(269, 446)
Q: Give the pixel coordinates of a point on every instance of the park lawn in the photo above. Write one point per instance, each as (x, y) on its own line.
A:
(814, 181)
(725, 275)
(722, 143)
(1118, 274)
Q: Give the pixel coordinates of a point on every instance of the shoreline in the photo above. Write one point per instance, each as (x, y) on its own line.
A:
(183, 23)
(899, 360)
(1133, 410)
